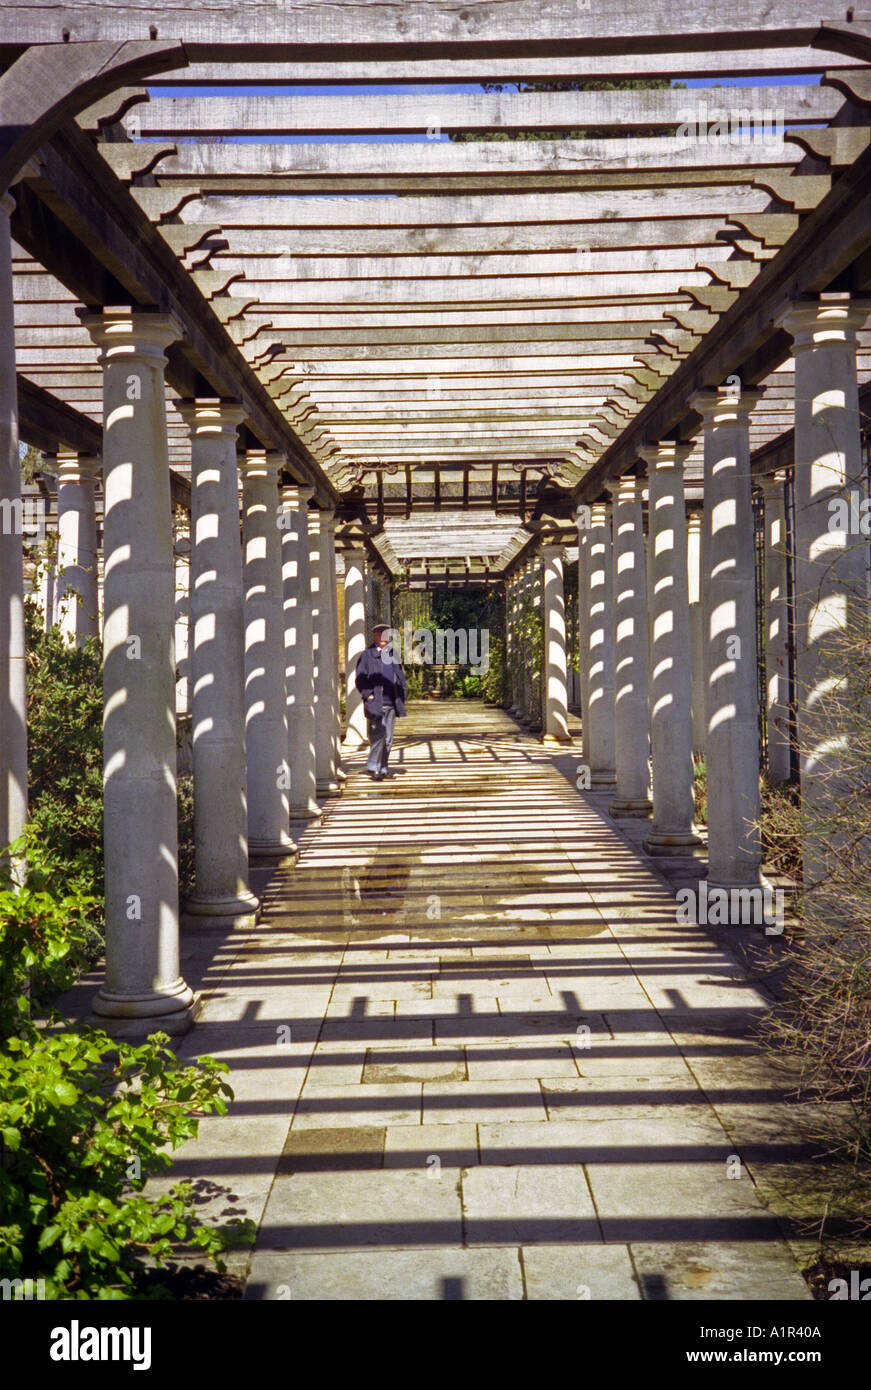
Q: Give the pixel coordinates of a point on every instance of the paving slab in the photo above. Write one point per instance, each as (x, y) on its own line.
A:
(539, 1093)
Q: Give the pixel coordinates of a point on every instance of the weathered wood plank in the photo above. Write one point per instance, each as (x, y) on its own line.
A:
(410, 114)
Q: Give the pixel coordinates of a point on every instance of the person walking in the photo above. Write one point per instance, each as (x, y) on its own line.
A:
(381, 681)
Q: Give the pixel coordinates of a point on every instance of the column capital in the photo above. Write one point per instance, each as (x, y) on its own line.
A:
(205, 418)
(668, 453)
(260, 463)
(356, 554)
(725, 405)
(627, 488)
(833, 317)
(77, 468)
(127, 333)
(599, 511)
(297, 494)
(771, 484)
(553, 550)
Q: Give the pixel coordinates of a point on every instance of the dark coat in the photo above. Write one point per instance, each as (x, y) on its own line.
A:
(370, 680)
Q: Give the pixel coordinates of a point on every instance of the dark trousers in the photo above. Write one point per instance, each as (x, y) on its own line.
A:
(380, 739)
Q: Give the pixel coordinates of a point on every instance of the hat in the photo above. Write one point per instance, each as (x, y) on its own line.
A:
(381, 627)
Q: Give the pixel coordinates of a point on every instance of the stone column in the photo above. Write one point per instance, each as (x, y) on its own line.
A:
(729, 584)
(583, 520)
(671, 720)
(265, 716)
(515, 671)
(556, 695)
(831, 558)
(299, 655)
(326, 652)
(776, 628)
(143, 990)
(356, 634)
(697, 627)
(182, 553)
(525, 651)
(598, 595)
(76, 589)
(631, 708)
(13, 704)
(217, 670)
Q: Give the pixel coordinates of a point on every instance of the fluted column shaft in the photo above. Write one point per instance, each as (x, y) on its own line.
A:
(631, 716)
(299, 654)
(357, 619)
(671, 727)
(265, 716)
(598, 592)
(217, 669)
(143, 988)
(776, 629)
(729, 598)
(697, 627)
(831, 557)
(76, 590)
(13, 702)
(326, 651)
(556, 697)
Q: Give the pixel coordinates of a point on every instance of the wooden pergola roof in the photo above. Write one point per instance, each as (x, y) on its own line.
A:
(428, 328)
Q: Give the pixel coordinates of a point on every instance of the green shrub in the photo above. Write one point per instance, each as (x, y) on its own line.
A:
(65, 756)
(493, 680)
(84, 1121)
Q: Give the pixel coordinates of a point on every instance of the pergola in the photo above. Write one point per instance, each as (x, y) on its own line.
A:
(452, 359)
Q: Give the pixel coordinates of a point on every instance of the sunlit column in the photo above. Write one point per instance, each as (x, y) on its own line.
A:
(265, 715)
(729, 601)
(583, 521)
(598, 593)
(631, 711)
(182, 554)
(697, 626)
(671, 719)
(76, 590)
(556, 698)
(217, 669)
(776, 628)
(326, 651)
(299, 654)
(13, 704)
(143, 989)
(831, 557)
(356, 628)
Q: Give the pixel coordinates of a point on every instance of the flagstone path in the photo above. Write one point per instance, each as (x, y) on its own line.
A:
(476, 1057)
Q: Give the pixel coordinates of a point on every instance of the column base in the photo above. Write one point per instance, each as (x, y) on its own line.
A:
(603, 779)
(557, 740)
(306, 815)
(341, 774)
(680, 844)
(353, 744)
(139, 1015)
(330, 787)
(278, 851)
(241, 910)
(626, 810)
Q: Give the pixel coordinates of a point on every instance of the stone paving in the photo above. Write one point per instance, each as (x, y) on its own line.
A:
(474, 1055)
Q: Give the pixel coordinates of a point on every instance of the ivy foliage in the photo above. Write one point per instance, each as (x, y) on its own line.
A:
(85, 1120)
